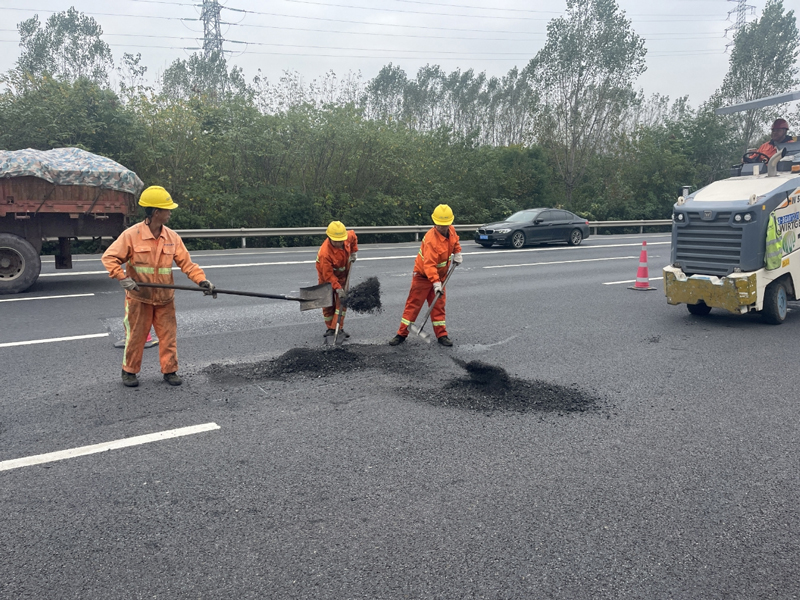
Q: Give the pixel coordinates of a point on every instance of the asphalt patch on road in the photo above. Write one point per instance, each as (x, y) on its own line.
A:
(312, 362)
(489, 388)
(365, 297)
(485, 388)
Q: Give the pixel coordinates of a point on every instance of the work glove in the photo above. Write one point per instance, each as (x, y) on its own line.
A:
(129, 284)
(457, 258)
(342, 294)
(209, 289)
(437, 287)
(353, 256)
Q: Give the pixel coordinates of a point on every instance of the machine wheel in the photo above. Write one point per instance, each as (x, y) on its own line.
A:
(517, 239)
(775, 303)
(575, 237)
(486, 244)
(19, 264)
(700, 309)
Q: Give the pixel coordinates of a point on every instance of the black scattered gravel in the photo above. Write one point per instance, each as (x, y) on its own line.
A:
(365, 297)
(490, 388)
(486, 387)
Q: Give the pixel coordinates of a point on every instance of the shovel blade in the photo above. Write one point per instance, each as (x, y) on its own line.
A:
(318, 296)
(418, 331)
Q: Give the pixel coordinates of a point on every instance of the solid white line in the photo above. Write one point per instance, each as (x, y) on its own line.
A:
(74, 273)
(560, 262)
(630, 281)
(115, 445)
(48, 341)
(46, 297)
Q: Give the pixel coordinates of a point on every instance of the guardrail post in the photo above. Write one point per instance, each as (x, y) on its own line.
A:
(416, 236)
(641, 229)
(244, 242)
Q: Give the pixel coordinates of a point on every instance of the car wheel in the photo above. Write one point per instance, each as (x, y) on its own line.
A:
(701, 309)
(517, 239)
(575, 237)
(775, 303)
(486, 244)
(20, 264)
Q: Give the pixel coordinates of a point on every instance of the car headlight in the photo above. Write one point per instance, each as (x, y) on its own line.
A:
(502, 230)
(679, 217)
(737, 218)
(748, 217)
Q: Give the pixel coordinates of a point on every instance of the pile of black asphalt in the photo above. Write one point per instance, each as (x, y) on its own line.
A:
(365, 297)
(424, 378)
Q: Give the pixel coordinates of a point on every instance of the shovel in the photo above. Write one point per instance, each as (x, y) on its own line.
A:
(318, 296)
(418, 330)
(342, 310)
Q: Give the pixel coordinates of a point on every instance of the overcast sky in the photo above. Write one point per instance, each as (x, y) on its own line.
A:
(685, 39)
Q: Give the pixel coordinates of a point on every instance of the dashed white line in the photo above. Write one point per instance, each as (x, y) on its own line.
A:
(115, 445)
(560, 262)
(51, 340)
(629, 281)
(46, 297)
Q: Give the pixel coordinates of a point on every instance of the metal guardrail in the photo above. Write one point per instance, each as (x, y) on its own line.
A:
(244, 233)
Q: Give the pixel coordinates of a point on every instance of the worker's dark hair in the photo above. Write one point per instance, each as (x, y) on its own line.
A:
(149, 210)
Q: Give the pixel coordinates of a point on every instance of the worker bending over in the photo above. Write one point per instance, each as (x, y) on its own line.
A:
(430, 269)
(149, 248)
(337, 253)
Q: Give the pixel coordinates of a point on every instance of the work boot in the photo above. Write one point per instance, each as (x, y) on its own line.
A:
(172, 379)
(397, 340)
(445, 341)
(343, 334)
(329, 333)
(129, 379)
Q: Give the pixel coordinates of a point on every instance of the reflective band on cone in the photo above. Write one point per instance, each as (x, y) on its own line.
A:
(642, 275)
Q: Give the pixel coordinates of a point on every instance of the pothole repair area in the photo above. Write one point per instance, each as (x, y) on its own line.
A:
(485, 387)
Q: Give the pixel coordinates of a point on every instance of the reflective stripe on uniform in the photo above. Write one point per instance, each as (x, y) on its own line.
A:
(144, 270)
(329, 318)
(437, 323)
(166, 271)
(339, 268)
(444, 264)
(405, 321)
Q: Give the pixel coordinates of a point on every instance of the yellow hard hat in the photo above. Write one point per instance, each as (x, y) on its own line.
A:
(157, 197)
(336, 231)
(442, 215)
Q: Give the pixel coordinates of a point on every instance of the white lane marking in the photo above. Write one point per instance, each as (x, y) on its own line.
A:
(46, 297)
(74, 273)
(630, 281)
(115, 445)
(51, 340)
(560, 262)
(548, 249)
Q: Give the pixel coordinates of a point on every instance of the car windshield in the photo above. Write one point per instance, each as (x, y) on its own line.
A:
(522, 216)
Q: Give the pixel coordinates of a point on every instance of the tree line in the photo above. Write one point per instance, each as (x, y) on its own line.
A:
(569, 129)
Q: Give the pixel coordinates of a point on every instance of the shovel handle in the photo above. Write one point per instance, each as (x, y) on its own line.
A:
(218, 291)
(343, 309)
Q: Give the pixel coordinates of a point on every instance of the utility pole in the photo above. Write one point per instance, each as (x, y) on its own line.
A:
(212, 33)
(741, 18)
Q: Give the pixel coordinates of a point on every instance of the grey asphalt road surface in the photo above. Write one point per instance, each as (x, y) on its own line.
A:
(681, 481)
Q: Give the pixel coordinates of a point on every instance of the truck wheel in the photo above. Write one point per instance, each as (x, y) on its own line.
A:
(775, 303)
(19, 264)
(700, 309)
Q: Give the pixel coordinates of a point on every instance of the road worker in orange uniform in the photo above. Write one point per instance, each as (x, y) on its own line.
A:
(334, 259)
(439, 245)
(149, 249)
(779, 135)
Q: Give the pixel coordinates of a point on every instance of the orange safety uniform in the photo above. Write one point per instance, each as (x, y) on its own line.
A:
(149, 260)
(333, 265)
(430, 266)
(769, 149)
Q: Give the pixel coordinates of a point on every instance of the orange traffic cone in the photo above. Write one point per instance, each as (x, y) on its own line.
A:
(642, 275)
